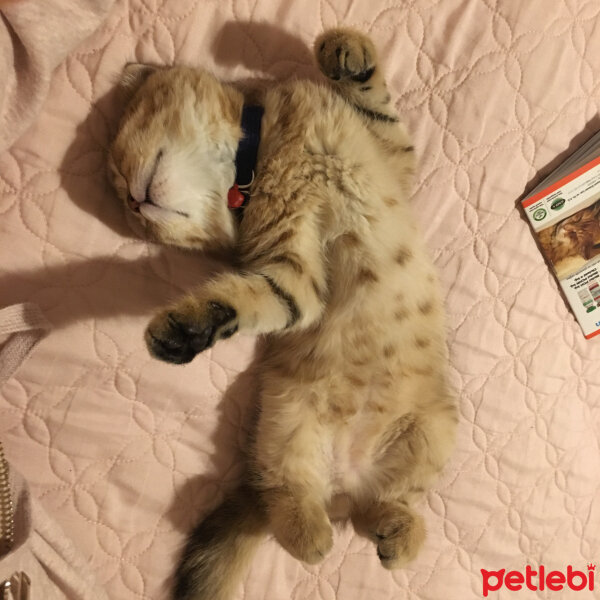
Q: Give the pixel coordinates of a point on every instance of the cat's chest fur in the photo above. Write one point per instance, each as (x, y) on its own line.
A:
(313, 138)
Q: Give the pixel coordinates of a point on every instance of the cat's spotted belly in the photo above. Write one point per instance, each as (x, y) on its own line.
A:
(358, 426)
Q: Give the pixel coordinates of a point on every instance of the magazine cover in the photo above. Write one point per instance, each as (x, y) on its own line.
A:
(566, 219)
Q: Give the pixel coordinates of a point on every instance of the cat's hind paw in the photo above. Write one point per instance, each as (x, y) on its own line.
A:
(400, 535)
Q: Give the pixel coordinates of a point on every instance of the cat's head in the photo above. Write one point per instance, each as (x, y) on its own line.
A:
(173, 158)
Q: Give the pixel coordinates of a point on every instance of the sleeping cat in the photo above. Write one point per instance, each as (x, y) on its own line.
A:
(355, 413)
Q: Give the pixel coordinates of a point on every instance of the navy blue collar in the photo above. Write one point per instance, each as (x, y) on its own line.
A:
(245, 158)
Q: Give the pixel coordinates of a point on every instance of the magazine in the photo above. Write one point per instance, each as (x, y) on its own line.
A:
(564, 212)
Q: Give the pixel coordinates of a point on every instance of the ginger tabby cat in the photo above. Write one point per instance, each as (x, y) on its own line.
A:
(355, 414)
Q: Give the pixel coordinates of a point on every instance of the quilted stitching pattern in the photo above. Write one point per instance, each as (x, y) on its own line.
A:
(125, 452)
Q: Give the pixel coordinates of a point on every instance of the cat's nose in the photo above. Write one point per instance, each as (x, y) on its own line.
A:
(139, 191)
(133, 204)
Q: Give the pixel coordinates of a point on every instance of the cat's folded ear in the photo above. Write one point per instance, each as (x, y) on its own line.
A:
(132, 77)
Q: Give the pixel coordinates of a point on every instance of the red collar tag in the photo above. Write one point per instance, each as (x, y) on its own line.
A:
(235, 198)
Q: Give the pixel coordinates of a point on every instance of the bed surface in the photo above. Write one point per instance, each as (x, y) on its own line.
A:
(126, 453)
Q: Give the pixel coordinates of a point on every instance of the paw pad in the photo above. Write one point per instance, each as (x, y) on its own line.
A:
(346, 54)
(177, 337)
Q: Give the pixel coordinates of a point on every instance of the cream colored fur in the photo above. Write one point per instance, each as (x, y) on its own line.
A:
(355, 411)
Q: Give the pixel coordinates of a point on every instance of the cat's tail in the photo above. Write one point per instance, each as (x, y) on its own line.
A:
(220, 547)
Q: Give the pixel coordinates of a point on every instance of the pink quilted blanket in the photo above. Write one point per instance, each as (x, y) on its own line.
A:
(126, 453)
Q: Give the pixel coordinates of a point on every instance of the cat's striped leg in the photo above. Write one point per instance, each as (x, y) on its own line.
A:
(349, 59)
(283, 288)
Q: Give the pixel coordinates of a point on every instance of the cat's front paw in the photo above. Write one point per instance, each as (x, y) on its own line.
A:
(177, 335)
(345, 53)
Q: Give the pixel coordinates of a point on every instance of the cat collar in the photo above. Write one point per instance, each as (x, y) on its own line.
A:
(245, 158)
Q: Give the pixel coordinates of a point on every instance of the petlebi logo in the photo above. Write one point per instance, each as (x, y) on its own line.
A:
(541, 579)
